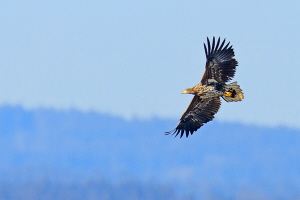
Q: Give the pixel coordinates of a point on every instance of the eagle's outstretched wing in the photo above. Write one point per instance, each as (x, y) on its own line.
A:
(199, 112)
(220, 65)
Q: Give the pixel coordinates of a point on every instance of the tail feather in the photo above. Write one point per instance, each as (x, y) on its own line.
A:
(235, 92)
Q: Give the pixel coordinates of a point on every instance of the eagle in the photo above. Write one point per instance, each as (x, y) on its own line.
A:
(220, 68)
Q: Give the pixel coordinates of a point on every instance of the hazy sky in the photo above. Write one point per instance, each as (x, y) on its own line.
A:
(133, 58)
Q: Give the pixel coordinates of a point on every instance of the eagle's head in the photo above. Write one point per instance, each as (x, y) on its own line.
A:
(189, 91)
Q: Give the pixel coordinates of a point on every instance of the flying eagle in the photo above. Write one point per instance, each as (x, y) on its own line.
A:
(219, 69)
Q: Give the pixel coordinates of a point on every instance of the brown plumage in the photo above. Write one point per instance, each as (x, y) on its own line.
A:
(219, 69)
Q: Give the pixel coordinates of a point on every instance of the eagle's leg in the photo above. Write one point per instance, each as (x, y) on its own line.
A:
(228, 94)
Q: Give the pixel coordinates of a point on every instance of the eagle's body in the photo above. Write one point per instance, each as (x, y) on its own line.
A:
(203, 91)
(220, 68)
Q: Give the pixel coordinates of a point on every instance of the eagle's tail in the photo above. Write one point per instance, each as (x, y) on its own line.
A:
(233, 92)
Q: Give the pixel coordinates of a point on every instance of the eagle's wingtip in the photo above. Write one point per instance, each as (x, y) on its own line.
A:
(170, 132)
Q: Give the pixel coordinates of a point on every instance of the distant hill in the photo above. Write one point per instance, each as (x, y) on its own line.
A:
(68, 146)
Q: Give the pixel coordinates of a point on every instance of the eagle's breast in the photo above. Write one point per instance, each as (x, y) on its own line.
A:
(207, 91)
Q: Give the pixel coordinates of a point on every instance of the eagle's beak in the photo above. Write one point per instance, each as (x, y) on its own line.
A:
(184, 92)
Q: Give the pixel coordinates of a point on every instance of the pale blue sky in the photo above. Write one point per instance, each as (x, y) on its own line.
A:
(133, 58)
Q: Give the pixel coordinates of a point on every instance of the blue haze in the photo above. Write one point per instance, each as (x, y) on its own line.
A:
(230, 160)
